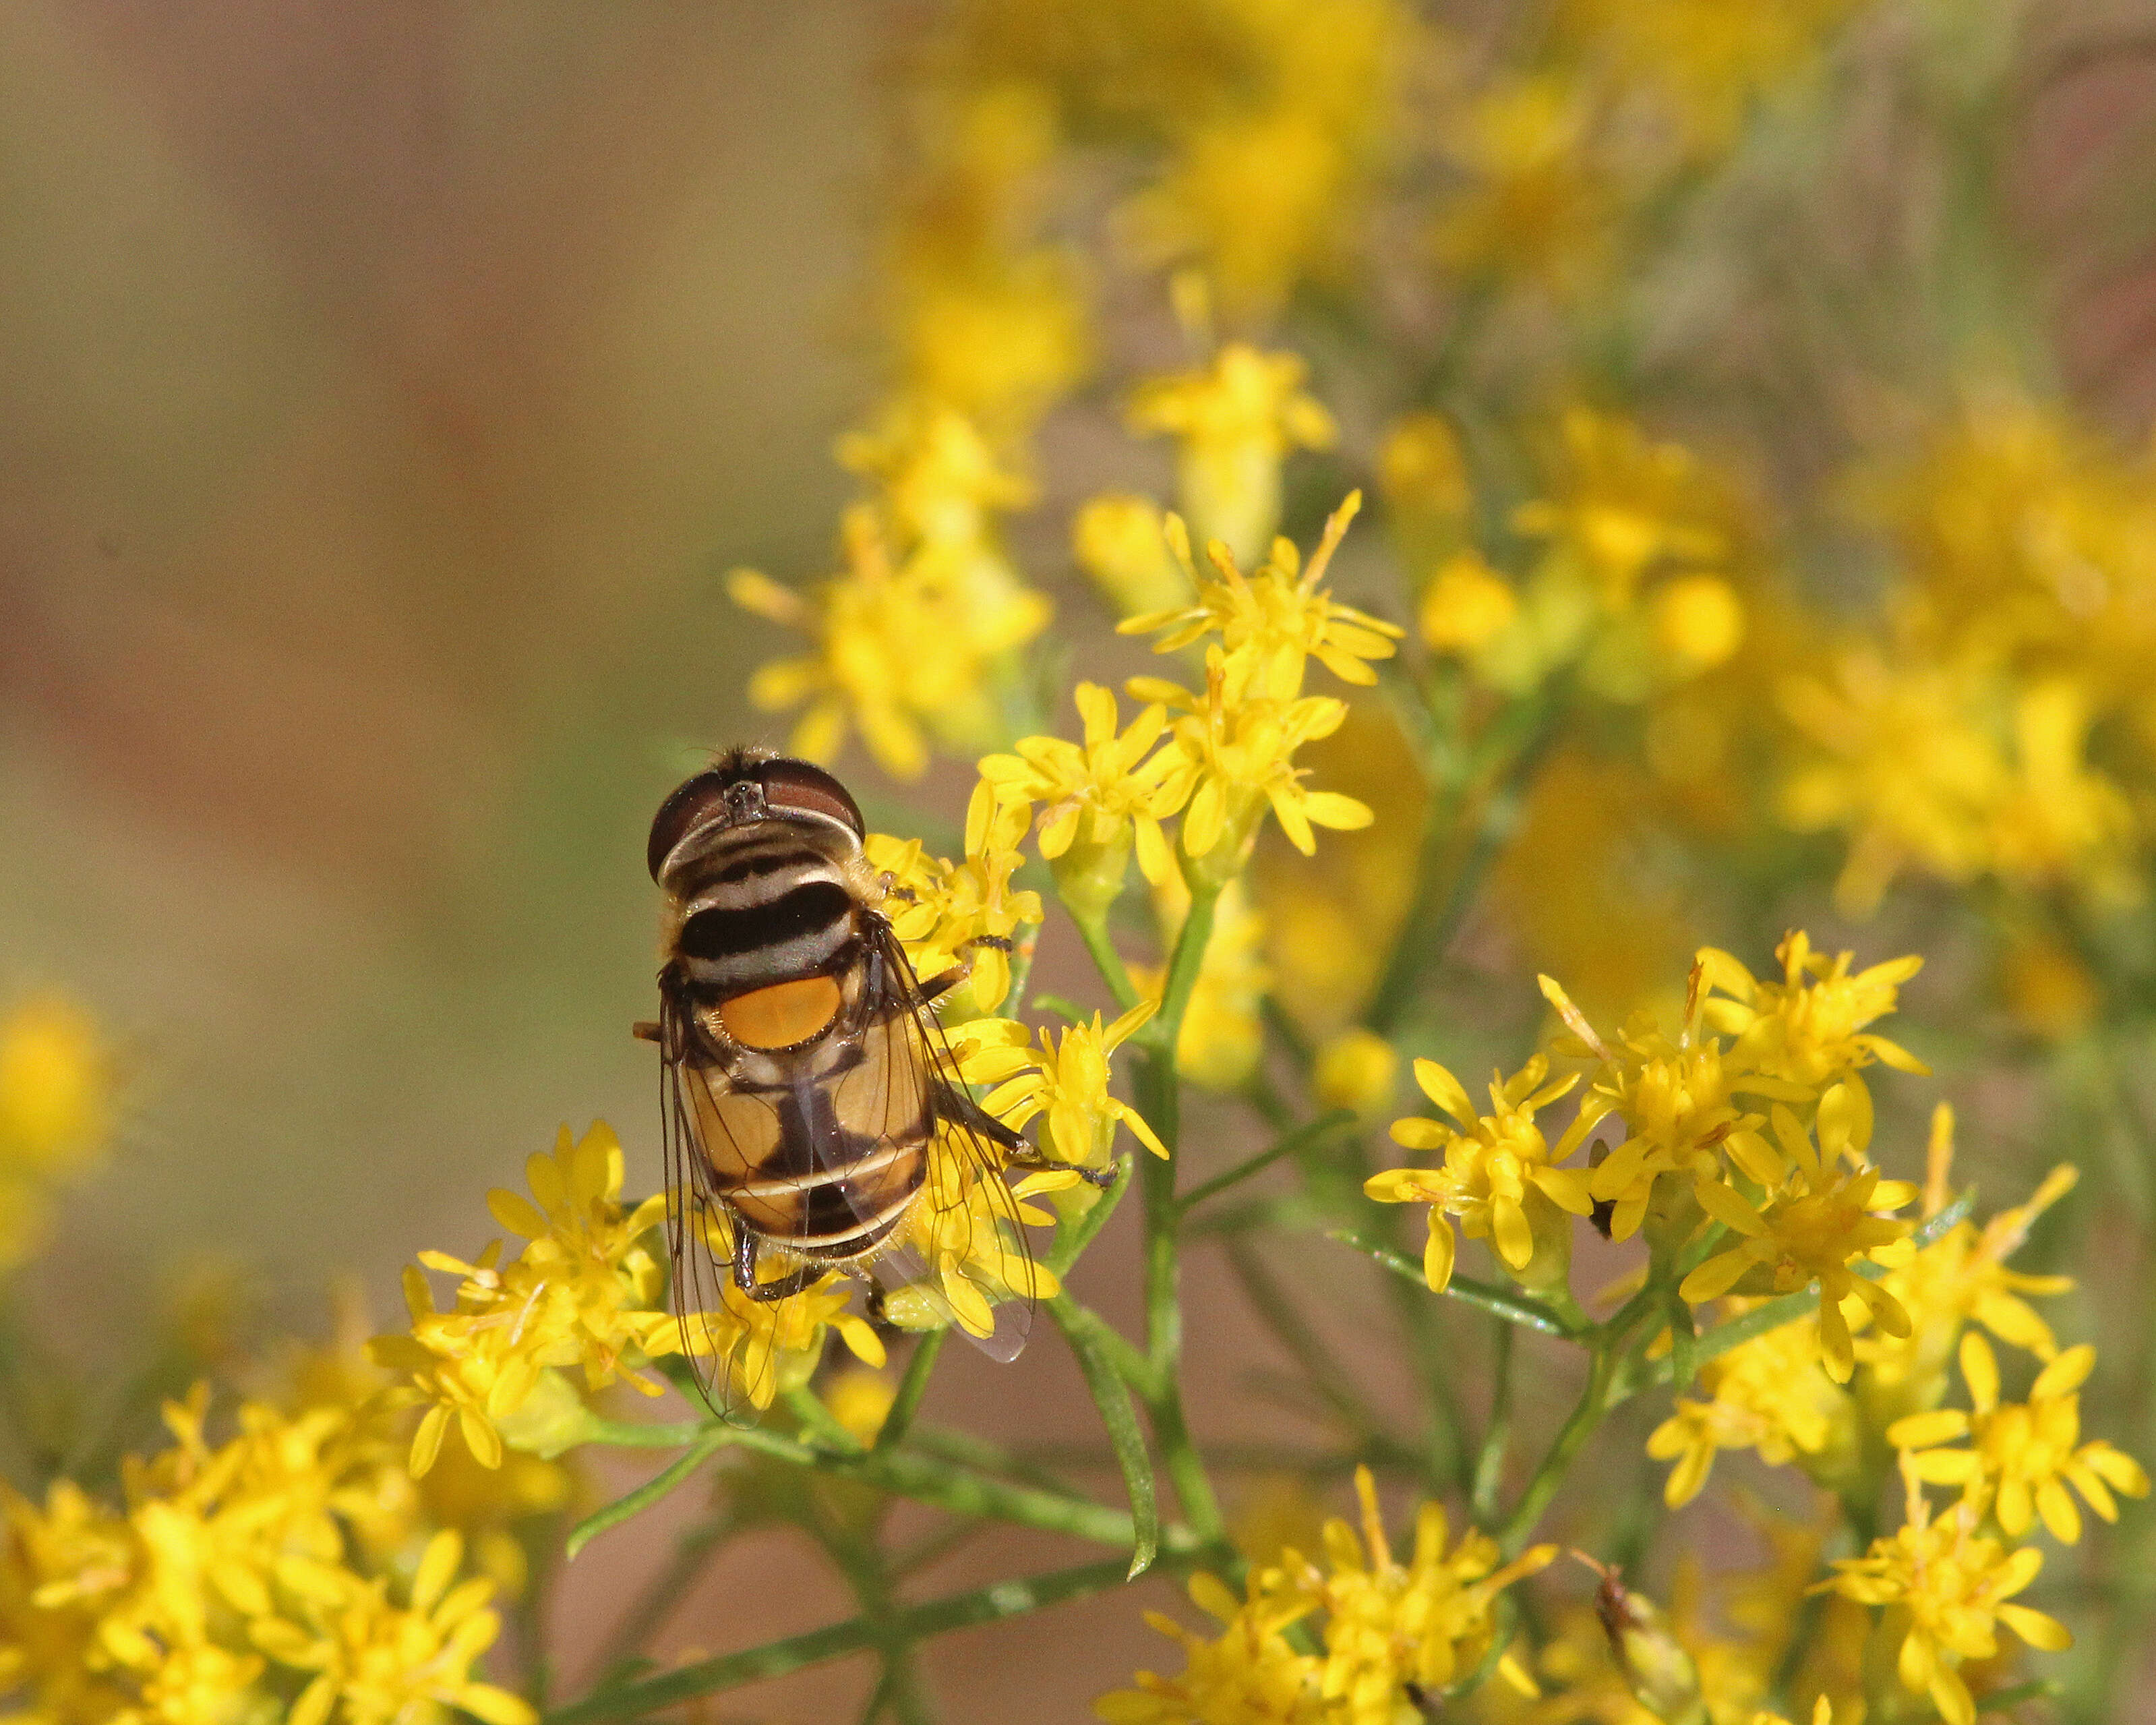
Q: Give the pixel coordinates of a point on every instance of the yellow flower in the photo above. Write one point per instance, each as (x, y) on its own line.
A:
(1499, 1175)
(1808, 1027)
(1769, 1394)
(1698, 622)
(1709, 63)
(1960, 1278)
(948, 913)
(382, 1664)
(1065, 1077)
(1678, 1098)
(2025, 1452)
(1239, 753)
(1236, 421)
(897, 646)
(1272, 621)
(1387, 1625)
(1101, 794)
(1250, 1675)
(761, 1347)
(1428, 1622)
(584, 1292)
(1423, 477)
(1814, 1226)
(1956, 1588)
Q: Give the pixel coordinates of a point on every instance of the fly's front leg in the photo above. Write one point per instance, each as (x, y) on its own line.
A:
(1027, 1156)
(943, 981)
(785, 1287)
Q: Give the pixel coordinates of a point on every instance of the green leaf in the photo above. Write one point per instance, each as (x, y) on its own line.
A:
(1119, 1417)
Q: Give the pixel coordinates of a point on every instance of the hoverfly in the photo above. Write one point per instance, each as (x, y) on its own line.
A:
(806, 1081)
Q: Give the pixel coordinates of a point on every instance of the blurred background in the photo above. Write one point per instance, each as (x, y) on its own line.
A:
(384, 394)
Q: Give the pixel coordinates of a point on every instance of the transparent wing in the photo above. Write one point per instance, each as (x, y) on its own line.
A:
(961, 1251)
(725, 1359)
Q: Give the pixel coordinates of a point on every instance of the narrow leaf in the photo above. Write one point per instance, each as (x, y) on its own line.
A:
(1499, 1302)
(1120, 1419)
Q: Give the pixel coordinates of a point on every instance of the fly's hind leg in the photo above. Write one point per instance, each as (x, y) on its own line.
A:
(745, 1270)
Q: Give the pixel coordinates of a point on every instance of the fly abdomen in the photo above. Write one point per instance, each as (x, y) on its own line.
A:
(732, 945)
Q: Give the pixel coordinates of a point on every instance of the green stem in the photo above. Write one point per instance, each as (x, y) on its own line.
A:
(993, 1603)
(1499, 1302)
(1160, 1100)
(1301, 1138)
(1109, 962)
(912, 1388)
(901, 1473)
(1586, 1415)
(1490, 1465)
(1072, 1238)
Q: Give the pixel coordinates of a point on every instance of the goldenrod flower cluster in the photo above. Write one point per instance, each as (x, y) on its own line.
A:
(1389, 1633)
(290, 1570)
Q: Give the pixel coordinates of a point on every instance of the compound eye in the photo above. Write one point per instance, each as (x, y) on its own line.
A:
(692, 803)
(797, 785)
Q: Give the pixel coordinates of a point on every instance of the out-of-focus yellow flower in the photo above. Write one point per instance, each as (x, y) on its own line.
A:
(1423, 477)
(1707, 64)
(2025, 1452)
(1538, 205)
(1698, 622)
(1223, 1034)
(1945, 768)
(948, 914)
(381, 1663)
(1466, 605)
(1102, 796)
(904, 647)
(1357, 1070)
(1954, 1589)
(1769, 1394)
(56, 1104)
(583, 1292)
(1331, 918)
(861, 1401)
(1235, 421)
(1500, 1176)
(1278, 136)
(2048, 989)
(1625, 507)
(1121, 543)
(1064, 1076)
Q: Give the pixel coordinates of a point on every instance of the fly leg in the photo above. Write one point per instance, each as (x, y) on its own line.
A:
(953, 1104)
(745, 1270)
(943, 981)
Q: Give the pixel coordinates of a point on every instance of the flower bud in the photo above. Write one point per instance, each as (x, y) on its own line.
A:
(1091, 873)
(1549, 1266)
(1356, 1069)
(1659, 1671)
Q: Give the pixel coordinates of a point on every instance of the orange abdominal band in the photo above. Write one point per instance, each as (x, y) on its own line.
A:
(781, 1015)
